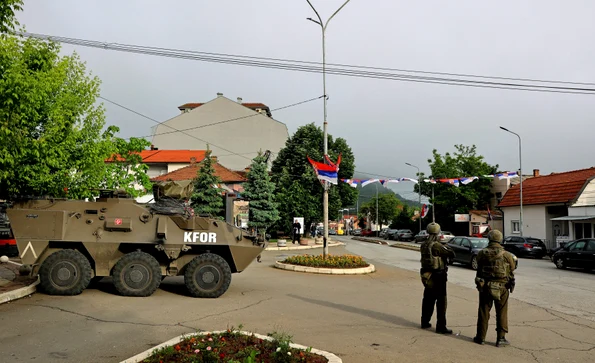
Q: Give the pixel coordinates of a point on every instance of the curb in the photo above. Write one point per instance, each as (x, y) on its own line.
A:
(147, 353)
(405, 246)
(19, 293)
(328, 271)
(297, 248)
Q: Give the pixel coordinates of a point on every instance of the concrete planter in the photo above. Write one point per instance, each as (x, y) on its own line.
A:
(318, 241)
(147, 353)
(303, 242)
(281, 243)
(328, 271)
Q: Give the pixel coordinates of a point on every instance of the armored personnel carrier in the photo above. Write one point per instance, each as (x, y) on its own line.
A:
(69, 243)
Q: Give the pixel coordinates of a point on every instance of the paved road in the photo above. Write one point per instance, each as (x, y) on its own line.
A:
(538, 282)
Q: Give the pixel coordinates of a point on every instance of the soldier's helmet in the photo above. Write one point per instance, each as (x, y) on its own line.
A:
(433, 228)
(495, 235)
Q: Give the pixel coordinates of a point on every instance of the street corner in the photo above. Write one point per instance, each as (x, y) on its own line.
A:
(13, 285)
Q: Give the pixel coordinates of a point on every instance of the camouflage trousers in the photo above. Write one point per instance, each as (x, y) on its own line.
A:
(486, 301)
(435, 295)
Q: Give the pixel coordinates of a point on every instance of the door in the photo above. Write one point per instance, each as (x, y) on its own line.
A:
(575, 254)
(586, 258)
(465, 250)
(455, 244)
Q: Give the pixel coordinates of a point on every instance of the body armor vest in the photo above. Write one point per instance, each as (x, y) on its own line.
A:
(429, 261)
(496, 267)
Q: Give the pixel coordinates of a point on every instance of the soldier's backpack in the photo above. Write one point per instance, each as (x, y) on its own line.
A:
(497, 268)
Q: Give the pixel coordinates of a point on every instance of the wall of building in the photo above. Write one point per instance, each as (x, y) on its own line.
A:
(587, 197)
(534, 220)
(245, 136)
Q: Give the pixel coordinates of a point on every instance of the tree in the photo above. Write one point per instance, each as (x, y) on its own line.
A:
(403, 219)
(51, 130)
(388, 208)
(450, 199)
(298, 191)
(206, 196)
(260, 192)
(8, 8)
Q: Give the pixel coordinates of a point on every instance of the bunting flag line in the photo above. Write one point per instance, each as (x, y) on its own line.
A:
(329, 173)
(452, 181)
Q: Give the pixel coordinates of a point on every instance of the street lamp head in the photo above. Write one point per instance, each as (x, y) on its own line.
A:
(315, 21)
(504, 128)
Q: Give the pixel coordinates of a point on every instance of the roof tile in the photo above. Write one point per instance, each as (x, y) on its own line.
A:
(191, 171)
(546, 189)
(171, 156)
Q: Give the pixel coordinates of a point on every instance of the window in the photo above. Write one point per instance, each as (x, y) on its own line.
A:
(516, 227)
(456, 241)
(582, 230)
(578, 246)
(590, 246)
(466, 243)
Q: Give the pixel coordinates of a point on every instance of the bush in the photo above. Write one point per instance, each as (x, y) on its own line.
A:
(331, 261)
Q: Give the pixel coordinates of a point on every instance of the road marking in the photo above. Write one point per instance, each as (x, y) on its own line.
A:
(29, 246)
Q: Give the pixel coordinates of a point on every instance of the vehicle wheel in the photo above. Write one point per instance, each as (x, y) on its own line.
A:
(136, 274)
(474, 263)
(207, 275)
(560, 264)
(65, 272)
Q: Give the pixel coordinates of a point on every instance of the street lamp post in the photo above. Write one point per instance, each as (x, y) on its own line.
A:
(377, 229)
(520, 178)
(326, 183)
(419, 194)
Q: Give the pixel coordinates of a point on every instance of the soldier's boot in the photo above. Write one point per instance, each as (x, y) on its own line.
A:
(425, 325)
(502, 342)
(478, 340)
(443, 330)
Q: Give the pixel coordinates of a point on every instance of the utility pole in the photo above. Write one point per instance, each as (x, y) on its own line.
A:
(433, 204)
(419, 193)
(377, 229)
(326, 183)
(520, 179)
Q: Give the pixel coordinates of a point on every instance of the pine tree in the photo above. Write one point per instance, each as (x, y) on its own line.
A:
(259, 190)
(206, 197)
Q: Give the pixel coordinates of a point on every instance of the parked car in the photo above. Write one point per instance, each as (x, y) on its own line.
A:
(357, 232)
(404, 235)
(368, 233)
(382, 232)
(577, 254)
(332, 231)
(551, 251)
(390, 234)
(525, 246)
(421, 236)
(446, 236)
(466, 250)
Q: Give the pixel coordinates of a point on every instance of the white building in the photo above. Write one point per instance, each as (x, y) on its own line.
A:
(556, 207)
(234, 131)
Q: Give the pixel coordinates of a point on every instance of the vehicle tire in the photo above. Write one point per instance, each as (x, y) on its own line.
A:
(136, 274)
(560, 263)
(207, 275)
(65, 272)
(474, 263)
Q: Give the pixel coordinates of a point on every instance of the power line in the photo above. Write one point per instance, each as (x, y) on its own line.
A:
(303, 67)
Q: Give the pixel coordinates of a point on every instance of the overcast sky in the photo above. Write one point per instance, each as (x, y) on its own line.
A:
(387, 123)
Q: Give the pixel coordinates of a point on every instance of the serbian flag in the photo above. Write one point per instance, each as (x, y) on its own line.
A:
(489, 214)
(424, 210)
(326, 172)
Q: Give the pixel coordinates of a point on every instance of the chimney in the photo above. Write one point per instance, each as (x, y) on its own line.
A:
(535, 172)
(192, 160)
(153, 147)
(240, 100)
(219, 94)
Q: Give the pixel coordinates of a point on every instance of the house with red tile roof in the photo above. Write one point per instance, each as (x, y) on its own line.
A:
(556, 207)
(230, 180)
(235, 131)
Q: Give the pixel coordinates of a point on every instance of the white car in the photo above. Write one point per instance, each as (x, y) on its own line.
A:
(446, 236)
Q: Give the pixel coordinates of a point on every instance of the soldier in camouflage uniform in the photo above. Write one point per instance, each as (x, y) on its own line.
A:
(494, 280)
(433, 274)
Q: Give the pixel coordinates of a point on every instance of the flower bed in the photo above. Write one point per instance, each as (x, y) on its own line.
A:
(232, 346)
(331, 261)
